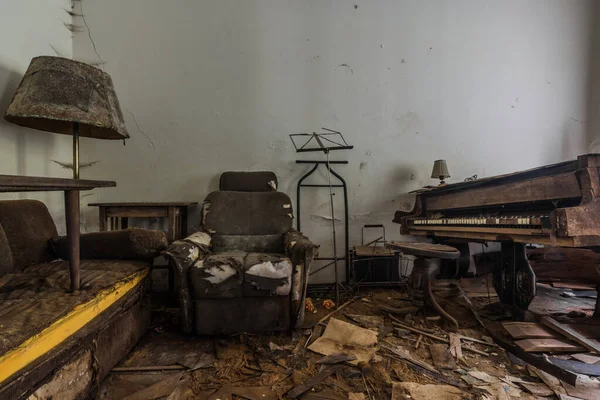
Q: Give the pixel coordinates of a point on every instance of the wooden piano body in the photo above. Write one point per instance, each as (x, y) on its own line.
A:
(554, 205)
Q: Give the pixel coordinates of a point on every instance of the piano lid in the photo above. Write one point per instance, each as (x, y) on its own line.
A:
(546, 170)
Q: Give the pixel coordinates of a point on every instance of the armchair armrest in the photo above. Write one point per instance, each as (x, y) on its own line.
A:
(182, 254)
(302, 252)
(125, 244)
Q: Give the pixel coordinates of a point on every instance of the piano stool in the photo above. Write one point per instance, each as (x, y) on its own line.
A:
(427, 255)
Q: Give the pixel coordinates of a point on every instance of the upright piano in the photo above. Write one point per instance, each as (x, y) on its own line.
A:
(553, 205)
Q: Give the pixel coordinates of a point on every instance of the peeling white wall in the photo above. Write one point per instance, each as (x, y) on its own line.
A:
(210, 86)
(29, 29)
(593, 120)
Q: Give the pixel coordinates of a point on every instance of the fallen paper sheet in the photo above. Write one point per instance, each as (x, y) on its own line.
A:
(342, 337)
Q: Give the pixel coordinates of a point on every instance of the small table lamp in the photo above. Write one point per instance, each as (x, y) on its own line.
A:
(68, 97)
(440, 171)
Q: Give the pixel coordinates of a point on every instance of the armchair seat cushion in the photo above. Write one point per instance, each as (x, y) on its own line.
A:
(239, 274)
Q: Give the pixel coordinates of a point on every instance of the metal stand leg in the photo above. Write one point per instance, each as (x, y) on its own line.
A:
(334, 260)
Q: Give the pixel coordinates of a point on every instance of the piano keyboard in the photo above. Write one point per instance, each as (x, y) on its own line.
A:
(505, 221)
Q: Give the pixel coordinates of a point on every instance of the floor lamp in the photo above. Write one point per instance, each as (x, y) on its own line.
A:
(72, 98)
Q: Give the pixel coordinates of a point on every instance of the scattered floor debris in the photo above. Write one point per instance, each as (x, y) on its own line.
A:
(416, 391)
(377, 348)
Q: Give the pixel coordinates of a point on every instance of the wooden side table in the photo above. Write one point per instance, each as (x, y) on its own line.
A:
(113, 216)
(71, 187)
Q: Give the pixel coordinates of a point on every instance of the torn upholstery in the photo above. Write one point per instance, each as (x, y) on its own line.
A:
(251, 264)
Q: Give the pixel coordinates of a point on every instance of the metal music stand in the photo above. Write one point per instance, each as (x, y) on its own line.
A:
(324, 142)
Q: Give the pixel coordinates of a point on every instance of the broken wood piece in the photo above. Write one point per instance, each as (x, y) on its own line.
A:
(149, 368)
(356, 396)
(537, 389)
(384, 331)
(401, 332)
(455, 346)
(567, 397)
(587, 358)
(181, 385)
(418, 341)
(336, 358)
(402, 325)
(314, 381)
(548, 345)
(531, 359)
(436, 376)
(366, 321)
(417, 391)
(326, 394)
(404, 354)
(528, 330)
(161, 388)
(570, 333)
(250, 393)
(483, 376)
(485, 343)
(441, 356)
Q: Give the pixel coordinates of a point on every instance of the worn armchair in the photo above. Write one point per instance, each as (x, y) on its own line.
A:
(246, 270)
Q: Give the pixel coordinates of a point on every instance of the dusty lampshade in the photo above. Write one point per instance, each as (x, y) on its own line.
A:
(60, 95)
(440, 171)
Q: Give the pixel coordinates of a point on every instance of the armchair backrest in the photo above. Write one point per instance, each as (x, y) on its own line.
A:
(255, 181)
(26, 227)
(254, 219)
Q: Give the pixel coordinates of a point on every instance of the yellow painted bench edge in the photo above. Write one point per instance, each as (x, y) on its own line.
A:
(36, 346)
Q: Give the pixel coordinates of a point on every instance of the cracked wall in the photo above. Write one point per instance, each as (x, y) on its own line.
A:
(209, 86)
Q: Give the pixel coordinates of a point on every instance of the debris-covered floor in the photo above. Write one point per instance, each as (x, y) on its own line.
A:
(368, 349)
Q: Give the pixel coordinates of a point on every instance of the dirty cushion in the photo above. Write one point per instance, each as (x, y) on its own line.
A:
(124, 244)
(32, 300)
(247, 213)
(267, 274)
(6, 260)
(28, 227)
(255, 181)
(241, 274)
(219, 275)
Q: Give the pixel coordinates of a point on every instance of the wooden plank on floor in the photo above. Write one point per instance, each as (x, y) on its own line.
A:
(572, 334)
(528, 330)
(441, 356)
(587, 358)
(548, 345)
(161, 388)
(534, 330)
